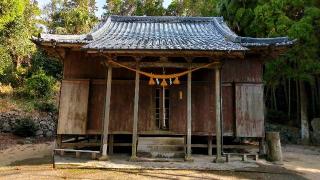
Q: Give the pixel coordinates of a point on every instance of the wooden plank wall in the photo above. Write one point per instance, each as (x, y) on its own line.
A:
(178, 109)
(203, 108)
(146, 121)
(96, 106)
(78, 66)
(248, 70)
(228, 113)
(73, 107)
(121, 107)
(249, 110)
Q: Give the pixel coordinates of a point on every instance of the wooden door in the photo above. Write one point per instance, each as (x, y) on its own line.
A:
(73, 107)
(249, 110)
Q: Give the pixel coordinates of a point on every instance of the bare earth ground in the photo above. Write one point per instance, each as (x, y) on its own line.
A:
(33, 161)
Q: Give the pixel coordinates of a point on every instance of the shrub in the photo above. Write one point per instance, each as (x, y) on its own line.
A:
(39, 85)
(40, 60)
(6, 90)
(46, 106)
(25, 128)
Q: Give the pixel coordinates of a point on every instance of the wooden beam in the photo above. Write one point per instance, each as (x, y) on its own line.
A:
(135, 116)
(218, 115)
(174, 53)
(189, 118)
(164, 65)
(106, 116)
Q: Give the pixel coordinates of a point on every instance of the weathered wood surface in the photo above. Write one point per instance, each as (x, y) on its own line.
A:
(189, 116)
(78, 65)
(203, 108)
(135, 116)
(228, 109)
(178, 108)
(147, 121)
(242, 71)
(96, 106)
(106, 118)
(249, 110)
(217, 91)
(121, 107)
(73, 107)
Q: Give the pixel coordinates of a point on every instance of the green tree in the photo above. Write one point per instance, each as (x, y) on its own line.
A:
(18, 19)
(134, 7)
(70, 16)
(192, 8)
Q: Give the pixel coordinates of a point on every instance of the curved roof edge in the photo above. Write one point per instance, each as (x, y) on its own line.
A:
(250, 41)
(99, 30)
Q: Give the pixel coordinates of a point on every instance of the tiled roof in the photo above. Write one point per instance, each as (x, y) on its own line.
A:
(164, 33)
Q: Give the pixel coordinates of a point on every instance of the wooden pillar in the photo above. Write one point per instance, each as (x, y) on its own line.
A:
(135, 117)
(189, 118)
(218, 114)
(106, 116)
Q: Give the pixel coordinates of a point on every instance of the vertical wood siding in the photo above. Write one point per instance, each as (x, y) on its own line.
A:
(203, 108)
(146, 121)
(228, 109)
(178, 109)
(242, 71)
(121, 107)
(73, 107)
(96, 106)
(249, 110)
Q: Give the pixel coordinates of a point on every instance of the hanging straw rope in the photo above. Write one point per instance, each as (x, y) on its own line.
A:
(163, 76)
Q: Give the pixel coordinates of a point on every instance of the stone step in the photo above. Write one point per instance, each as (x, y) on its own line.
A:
(160, 147)
(162, 154)
(161, 141)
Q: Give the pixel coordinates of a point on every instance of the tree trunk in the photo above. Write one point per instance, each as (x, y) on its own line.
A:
(297, 103)
(274, 98)
(304, 114)
(289, 99)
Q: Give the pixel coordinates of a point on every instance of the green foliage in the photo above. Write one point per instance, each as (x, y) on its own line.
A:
(70, 16)
(5, 61)
(25, 128)
(135, 7)
(6, 11)
(46, 106)
(51, 66)
(17, 25)
(39, 85)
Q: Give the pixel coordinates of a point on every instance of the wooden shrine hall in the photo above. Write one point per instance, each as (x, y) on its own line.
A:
(160, 86)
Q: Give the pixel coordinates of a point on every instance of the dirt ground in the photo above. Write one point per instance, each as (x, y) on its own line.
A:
(32, 161)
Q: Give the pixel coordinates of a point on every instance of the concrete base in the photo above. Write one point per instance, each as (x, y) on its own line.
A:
(103, 158)
(188, 159)
(200, 162)
(218, 160)
(133, 158)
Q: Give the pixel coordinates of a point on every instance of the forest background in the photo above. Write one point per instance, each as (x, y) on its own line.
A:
(29, 79)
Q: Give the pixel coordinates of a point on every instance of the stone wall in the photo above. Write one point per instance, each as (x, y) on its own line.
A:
(46, 122)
